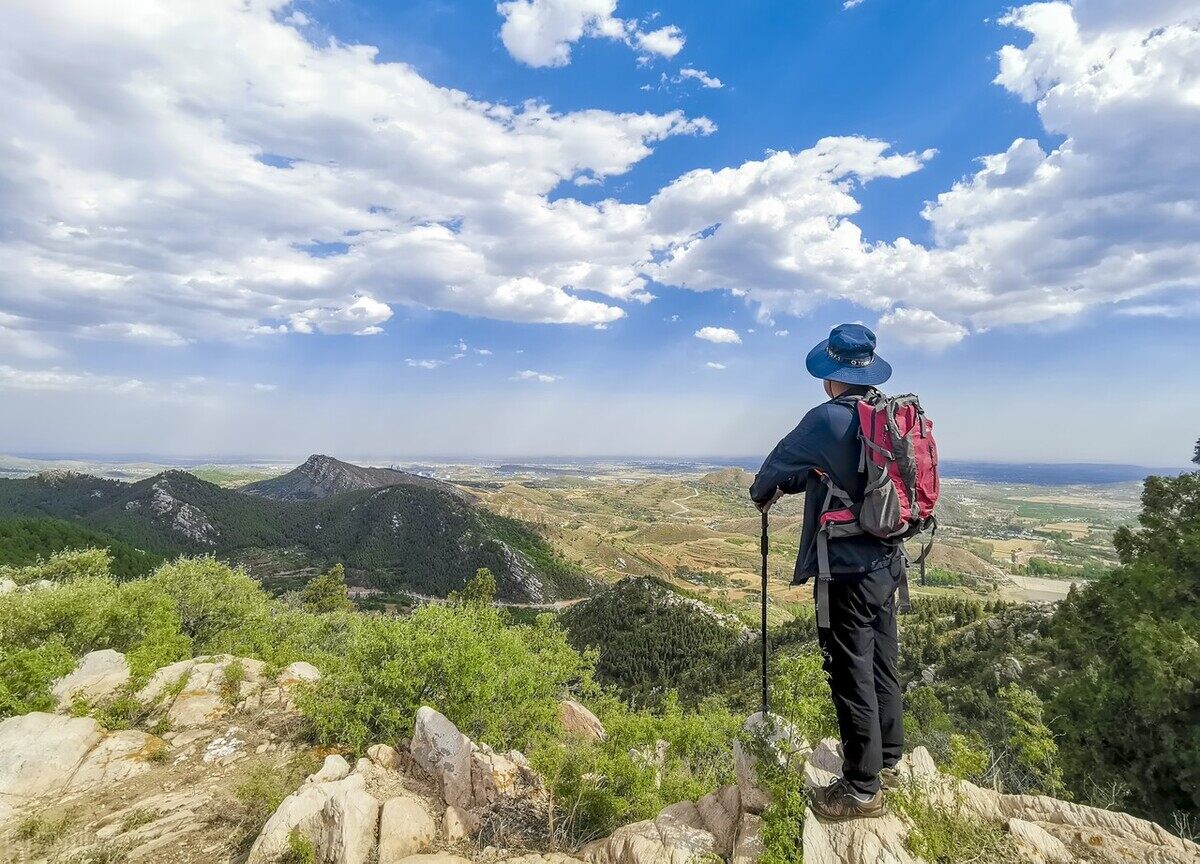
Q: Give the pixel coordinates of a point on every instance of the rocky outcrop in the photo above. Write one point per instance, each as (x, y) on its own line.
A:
(777, 737)
(338, 817)
(1041, 829)
(99, 675)
(202, 690)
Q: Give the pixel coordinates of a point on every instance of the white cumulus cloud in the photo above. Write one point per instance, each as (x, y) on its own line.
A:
(541, 32)
(712, 365)
(706, 80)
(719, 335)
(920, 328)
(164, 184)
(540, 377)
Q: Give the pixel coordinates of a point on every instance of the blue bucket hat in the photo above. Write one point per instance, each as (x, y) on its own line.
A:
(848, 355)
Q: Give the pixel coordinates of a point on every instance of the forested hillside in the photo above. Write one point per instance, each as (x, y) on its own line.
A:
(648, 643)
(25, 541)
(400, 537)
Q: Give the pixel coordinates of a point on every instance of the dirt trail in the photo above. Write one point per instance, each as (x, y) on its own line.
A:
(683, 508)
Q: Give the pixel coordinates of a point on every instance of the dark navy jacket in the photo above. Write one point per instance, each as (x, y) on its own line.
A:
(825, 440)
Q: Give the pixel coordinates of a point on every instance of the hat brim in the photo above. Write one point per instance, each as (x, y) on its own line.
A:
(821, 365)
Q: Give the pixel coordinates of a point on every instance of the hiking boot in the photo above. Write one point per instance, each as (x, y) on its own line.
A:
(891, 778)
(839, 801)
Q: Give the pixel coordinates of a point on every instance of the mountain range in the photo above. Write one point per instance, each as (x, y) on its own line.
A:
(392, 530)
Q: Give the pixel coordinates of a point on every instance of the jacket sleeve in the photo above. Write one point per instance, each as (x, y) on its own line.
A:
(788, 464)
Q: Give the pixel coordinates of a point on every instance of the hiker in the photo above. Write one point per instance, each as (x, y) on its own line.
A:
(824, 458)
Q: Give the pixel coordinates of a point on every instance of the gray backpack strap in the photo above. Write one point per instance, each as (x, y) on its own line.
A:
(821, 589)
(904, 605)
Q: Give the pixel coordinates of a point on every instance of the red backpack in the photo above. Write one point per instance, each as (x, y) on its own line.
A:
(900, 461)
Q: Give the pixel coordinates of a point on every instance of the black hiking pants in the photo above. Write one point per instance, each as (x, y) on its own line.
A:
(860, 649)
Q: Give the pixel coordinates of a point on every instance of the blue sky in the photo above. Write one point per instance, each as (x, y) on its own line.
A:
(229, 232)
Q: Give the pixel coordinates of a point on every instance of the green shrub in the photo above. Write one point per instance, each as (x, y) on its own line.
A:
(300, 849)
(498, 683)
(42, 831)
(630, 775)
(327, 592)
(26, 674)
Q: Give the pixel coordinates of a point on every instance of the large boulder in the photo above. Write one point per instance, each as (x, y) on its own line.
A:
(97, 676)
(39, 753)
(7, 586)
(444, 753)
(405, 828)
(338, 817)
(578, 720)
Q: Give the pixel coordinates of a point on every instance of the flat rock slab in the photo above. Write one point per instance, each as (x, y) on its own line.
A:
(40, 752)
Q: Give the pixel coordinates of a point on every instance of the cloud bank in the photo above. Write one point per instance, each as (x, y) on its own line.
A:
(165, 184)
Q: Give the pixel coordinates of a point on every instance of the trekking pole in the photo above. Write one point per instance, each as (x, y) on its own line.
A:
(766, 703)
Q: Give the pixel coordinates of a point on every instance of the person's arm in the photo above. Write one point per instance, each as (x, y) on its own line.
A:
(785, 470)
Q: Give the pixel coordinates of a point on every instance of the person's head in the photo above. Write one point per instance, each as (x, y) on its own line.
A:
(847, 359)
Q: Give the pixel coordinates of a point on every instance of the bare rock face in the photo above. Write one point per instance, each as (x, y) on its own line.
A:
(578, 720)
(298, 673)
(405, 828)
(40, 752)
(7, 586)
(97, 676)
(445, 754)
(118, 757)
(1043, 830)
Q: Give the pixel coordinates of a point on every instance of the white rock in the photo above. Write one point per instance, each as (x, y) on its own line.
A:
(720, 820)
(339, 818)
(40, 752)
(298, 673)
(405, 828)
(578, 720)
(492, 776)
(164, 680)
(782, 738)
(385, 756)
(675, 836)
(879, 840)
(119, 756)
(334, 767)
(1038, 845)
(459, 824)
(97, 676)
(436, 858)
(7, 586)
(445, 754)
